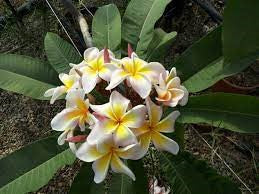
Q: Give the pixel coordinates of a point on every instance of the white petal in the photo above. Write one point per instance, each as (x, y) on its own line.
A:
(123, 136)
(62, 137)
(167, 124)
(66, 119)
(154, 112)
(89, 79)
(172, 74)
(135, 117)
(104, 110)
(49, 92)
(91, 54)
(72, 146)
(101, 167)
(59, 91)
(184, 100)
(119, 167)
(162, 142)
(107, 71)
(88, 153)
(152, 71)
(141, 85)
(117, 77)
(73, 96)
(174, 83)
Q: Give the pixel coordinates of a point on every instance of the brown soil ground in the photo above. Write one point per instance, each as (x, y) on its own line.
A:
(23, 120)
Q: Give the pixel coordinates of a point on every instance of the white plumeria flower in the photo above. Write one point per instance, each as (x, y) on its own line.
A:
(69, 81)
(170, 91)
(96, 66)
(152, 130)
(76, 113)
(104, 154)
(118, 121)
(154, 188)
(139, 74)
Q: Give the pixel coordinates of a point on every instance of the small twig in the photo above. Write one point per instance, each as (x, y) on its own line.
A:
(225, 163)
(71, 40)
(87, 9)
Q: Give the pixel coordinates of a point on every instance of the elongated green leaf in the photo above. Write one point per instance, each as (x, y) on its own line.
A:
(33, 166)
(199, 55)
(240, 31)
(238, 113)
(159, 45)
(26, 75)
(139, 21)
(106, 28)
(206, 77)
(122, 184)
(187, 175)
(60, 53)
(84, 182)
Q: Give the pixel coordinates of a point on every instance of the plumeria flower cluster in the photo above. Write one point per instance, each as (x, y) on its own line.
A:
(132, 118)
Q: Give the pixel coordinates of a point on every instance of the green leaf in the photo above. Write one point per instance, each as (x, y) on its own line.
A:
(160, 44)
(84, 182)
(178, 134)
(240, 31)
(187, 175)
(122, 184)
(238, 113)
(106, 28)
(199, 55)
(31, 167)
(26, 75)
(60, 53)
(139, 21)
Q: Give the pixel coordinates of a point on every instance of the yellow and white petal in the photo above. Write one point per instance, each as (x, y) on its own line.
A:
(91, 54)
(154, 112)
(177, 94)
(119, 167)
(89, 79)
(119, 104)
(129, 152)
(101, 167)
(161, 92)
(174, 83)
(162, 142)
(141, 85)
(68, 80)
(104, 110)
(101, 129)
(75, 98)
(105, 144)
(72, 145)
(152, 71)
(49, 92)
(117, 77)
(62, 137)
(66, 119)
(167, 124)
(143, 129)
(184, 100)
(135, 117)
(123, 136)
(88, 153)
(106, 71)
